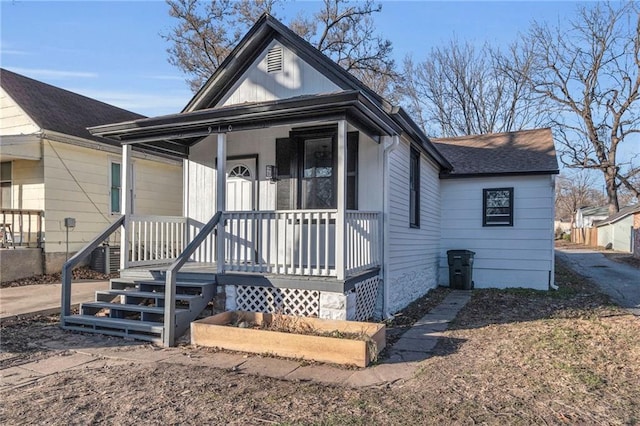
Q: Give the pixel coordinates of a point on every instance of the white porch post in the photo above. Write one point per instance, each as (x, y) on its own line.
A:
(125, 204)
(221, 180)
(341, 235)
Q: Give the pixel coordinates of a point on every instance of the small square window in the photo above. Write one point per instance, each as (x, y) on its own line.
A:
(497, 207)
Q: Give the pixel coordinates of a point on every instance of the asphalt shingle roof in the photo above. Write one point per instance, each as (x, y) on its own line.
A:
(521, 152)
(624, 212)
(59, 110)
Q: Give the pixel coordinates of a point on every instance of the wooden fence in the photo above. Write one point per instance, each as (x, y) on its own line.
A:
(586, 236)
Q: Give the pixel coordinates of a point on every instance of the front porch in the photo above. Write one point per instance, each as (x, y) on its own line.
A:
(274, 215)
(278, 261)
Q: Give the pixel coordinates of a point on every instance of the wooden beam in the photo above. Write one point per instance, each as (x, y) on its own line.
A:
(341, 195)
(221, 193)
(125, 203)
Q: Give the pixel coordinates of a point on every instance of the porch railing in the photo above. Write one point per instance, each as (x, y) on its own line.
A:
(299, 242)
(363, 241)
(289, 242)
(21, 228)
(282, 242)
(156, 239)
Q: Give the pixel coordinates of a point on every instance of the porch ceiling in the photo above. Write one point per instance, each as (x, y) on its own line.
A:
(174, 134)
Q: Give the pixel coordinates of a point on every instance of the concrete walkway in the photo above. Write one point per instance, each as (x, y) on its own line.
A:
(45, 298)
(620, 281)
(71, 351)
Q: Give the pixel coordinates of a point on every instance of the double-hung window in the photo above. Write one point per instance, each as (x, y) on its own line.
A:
(5, 184)
(414, 189)
(497, 209)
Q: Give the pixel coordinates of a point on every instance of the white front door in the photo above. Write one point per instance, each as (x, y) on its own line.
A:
(240, 229)
(241, 184)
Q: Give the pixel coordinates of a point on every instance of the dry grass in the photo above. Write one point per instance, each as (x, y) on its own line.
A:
(512, 357)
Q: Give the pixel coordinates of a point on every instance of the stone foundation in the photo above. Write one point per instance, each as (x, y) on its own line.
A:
(408, 286)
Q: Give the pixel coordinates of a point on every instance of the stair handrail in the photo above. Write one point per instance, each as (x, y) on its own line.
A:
(67, 268)
(168, 337)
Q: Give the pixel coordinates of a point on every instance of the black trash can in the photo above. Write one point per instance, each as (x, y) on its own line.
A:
(460, 269)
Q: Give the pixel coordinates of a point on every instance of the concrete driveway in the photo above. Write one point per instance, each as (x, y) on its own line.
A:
(618, 280)
(45, 298)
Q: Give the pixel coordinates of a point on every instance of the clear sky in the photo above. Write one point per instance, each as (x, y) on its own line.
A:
(113, 51)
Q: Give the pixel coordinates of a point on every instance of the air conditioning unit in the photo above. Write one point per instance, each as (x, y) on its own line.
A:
(105, 259)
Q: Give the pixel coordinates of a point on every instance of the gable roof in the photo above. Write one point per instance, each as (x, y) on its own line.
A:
(60, 110)
(201, 115)
(265, 29)
(524, 152)
(594, 211)
(624, 212)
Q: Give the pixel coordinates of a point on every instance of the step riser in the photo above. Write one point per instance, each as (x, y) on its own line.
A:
(128, 309)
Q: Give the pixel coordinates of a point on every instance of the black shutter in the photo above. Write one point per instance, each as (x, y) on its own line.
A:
(285, 157)
(352, 170)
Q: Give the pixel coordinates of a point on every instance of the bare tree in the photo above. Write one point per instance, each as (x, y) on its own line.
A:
(206, 33)
(460, 90)
(591, 75)
(574, 192)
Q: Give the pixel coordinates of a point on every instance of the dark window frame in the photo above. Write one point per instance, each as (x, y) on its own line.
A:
(414, 188)
(289, 180)
(490, 220)
(7, 182)
(299, 137)
(115, 204)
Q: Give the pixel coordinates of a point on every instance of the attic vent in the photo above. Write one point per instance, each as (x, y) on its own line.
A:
(274, 59)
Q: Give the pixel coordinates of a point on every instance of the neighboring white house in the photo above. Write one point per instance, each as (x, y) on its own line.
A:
(618, 230)
(586, 216)
(53, 168)
(323, 199)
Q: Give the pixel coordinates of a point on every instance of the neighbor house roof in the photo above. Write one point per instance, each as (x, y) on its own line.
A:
(624, 212)
(524, 152)
(594, 211)
(59, 110)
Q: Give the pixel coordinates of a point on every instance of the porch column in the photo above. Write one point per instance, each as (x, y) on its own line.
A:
(125, 204)
(221, 194)
(341, 196)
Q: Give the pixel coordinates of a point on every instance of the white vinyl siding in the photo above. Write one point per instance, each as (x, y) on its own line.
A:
(618, 234)
(14, 120)
(28, 185)
(516, 256)
(77, 184)
(297, 78)
(412, 264)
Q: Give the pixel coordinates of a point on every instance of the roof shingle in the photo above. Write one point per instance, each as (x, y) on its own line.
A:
(59, 110)
(510, 153)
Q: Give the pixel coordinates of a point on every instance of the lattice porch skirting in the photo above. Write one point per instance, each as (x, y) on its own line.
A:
(357, 305)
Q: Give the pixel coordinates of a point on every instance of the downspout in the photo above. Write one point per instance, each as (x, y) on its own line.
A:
(388, 148)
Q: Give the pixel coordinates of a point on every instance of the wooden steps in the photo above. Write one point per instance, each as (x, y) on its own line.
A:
(135, 308)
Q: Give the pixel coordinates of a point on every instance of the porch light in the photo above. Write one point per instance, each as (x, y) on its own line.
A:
(271, 173)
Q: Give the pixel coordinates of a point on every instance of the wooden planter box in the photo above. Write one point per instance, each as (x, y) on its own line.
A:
(215, 332)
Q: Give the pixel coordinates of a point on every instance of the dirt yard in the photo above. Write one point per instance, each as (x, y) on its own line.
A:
(511, 357)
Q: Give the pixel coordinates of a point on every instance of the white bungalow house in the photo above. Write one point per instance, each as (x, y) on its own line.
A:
(306, 192)
(52, 168)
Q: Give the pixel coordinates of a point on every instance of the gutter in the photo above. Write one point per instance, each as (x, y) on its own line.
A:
(388, 148)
